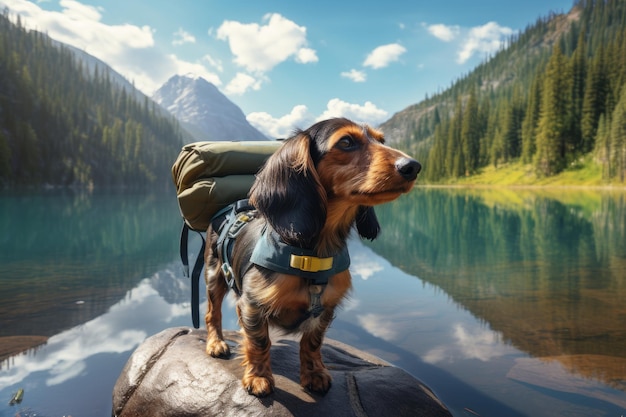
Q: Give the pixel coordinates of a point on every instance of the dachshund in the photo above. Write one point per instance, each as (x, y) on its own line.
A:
(310, 193)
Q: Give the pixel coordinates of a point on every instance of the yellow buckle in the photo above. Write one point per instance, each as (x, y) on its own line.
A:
(310, 263)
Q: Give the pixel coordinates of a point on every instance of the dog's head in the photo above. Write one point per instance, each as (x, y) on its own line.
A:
(333, 165)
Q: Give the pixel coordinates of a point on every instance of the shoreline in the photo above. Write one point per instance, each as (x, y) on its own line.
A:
(608, 187)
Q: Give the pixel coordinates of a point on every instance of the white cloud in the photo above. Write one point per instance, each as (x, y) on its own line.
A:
(443, 32)
(281, 127)
(483, 39)
(177, 66)
(306, 56)
(366, 113)
(181, 37)
(384, 55)
(241, 83)
(355, 75)
(215, 63)
(259, 48)
(128, 49)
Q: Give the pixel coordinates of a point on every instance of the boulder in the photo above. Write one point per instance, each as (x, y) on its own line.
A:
(171, 375)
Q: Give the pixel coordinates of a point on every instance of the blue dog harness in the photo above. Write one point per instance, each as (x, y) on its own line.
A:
(272, 253)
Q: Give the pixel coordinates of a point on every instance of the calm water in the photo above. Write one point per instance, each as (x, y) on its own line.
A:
(506, 303)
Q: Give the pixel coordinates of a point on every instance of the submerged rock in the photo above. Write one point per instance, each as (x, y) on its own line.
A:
(171, 375)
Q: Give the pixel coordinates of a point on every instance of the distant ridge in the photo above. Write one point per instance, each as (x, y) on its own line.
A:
(204, 111)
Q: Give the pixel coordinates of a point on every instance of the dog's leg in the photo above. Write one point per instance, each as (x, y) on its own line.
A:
(313, 372)
(216, 290)
(257, 378)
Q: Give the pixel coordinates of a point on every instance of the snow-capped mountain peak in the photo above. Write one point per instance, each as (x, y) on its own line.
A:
(204, 110)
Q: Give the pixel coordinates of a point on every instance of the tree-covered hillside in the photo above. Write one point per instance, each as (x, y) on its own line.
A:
(553, 97)
(61, 124)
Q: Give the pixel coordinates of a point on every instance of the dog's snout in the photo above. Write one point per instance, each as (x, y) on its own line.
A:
(408, 168)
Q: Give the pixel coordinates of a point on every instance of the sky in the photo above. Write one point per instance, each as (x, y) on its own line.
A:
(287, 64)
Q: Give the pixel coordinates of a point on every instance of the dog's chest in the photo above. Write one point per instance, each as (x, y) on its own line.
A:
(291, 300)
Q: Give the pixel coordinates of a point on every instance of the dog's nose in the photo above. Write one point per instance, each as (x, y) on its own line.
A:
(408, 168)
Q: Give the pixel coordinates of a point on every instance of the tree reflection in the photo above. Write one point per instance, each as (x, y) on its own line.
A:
(66, 257)
(548, 270)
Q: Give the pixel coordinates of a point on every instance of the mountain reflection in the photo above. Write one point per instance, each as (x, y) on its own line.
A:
(545, 270)
(125, 325)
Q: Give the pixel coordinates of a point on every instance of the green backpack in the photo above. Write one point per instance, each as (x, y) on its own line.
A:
(209, 177)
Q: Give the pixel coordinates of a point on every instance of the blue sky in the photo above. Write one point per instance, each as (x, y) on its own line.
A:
(290, 63)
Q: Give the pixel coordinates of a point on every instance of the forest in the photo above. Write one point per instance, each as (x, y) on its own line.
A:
(64, 125)
(553, 98)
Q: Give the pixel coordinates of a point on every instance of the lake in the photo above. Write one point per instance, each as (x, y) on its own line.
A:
(506, 302)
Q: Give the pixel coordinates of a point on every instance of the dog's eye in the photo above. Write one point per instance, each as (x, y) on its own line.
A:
(346, 143)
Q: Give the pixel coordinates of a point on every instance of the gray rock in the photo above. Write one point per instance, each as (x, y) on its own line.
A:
(171, 375)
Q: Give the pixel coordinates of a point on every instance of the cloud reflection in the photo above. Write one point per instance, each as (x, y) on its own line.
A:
(119, 330)
(470, 343)
(363, 264)
(379, 326)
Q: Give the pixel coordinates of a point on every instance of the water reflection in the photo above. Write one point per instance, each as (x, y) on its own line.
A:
(506, 303)
(76, 361)
(72, 255)
(545, 271)
(470, 342)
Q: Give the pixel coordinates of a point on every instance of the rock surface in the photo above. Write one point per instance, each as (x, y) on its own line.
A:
(171, 375)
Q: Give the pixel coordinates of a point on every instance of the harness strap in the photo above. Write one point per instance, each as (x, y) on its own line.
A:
(229, 224)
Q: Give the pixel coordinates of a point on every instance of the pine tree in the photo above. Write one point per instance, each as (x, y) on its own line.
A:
(531, 120)
(470, 135)
(579, 75)
(554, 116)
(455, 162)
(435, 169)
(594, 100)
(603, 146)
(512, 128)
(5, 159)
(618, 138)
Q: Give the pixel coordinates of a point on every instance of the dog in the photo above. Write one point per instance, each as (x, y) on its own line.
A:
(319, 185)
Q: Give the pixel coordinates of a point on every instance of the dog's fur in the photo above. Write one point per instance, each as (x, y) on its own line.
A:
(312, 191)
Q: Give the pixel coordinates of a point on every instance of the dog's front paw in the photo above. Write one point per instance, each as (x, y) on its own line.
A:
(258, 385)
(317, 381)
(217, 348)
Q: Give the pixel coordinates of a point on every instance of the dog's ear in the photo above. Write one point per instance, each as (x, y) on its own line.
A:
(367, 223)
(288, 193)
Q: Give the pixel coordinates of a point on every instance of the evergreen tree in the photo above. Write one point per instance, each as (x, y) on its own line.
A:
(512, 128)
(603, 146)
(579, 75)
(594, 100)
(5, 158)
(531, 120)
(455, 161)
(554, 116)
(470, 135)
(618, 139)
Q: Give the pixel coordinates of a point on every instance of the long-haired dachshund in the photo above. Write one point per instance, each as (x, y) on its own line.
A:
(321, 183)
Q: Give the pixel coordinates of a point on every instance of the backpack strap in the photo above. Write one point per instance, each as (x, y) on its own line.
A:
(195, 274)
(227, 222)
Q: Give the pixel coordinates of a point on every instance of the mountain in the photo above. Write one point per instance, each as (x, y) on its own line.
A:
(204, 111)
(552, 99)
(66, 123)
